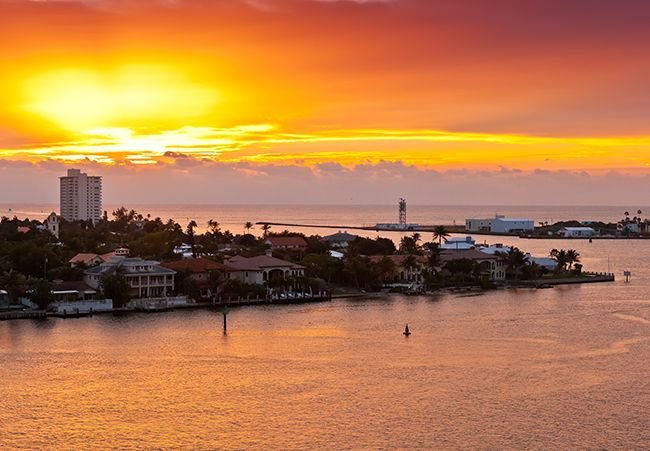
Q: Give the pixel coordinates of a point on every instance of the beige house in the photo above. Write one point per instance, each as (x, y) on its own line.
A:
(491, 266)
(403, 273)
(200, 270)
(261, 269)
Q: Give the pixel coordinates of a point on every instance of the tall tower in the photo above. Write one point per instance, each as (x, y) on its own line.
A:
(402, 211)
(81, 196)
(52, 224)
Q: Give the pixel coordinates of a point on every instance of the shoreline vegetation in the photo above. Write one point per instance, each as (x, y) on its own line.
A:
(33, 263)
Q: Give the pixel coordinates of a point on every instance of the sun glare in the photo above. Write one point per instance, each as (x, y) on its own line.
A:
(137, 95)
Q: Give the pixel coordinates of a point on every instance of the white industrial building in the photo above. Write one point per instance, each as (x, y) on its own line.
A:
(577, 232)
(81, 196)
(499, 224)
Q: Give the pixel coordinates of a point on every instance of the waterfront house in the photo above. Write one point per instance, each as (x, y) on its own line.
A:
(403, 273)
(72, 291)
(297, 243)
(500, 224)
(146, 278)
(200, 270)
(339, 240)
(545, 262)
(493, 267)
(261, 269)
(576, 232)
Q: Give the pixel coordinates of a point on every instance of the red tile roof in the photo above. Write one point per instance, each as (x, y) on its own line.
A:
(193, 265)
(85, 258)
(398, 259)
(470, 254)
(259, 263)
(286, 241)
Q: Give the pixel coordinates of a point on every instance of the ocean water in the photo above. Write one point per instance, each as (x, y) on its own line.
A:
(233, 217)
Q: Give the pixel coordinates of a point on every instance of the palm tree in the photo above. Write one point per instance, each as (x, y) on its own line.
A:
(572, 256)
(190, 234)
(386, 268)
(410, 263)
(12, 281)
(440, 234)
(407, 245)
(516, 260)
(265, 229)
(560, 256)
(214, 227)
(416, 239)
(248, 226)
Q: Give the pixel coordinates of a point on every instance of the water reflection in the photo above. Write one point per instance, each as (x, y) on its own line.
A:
(523, 368)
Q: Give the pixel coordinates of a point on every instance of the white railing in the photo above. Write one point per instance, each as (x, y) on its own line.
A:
(72, 307)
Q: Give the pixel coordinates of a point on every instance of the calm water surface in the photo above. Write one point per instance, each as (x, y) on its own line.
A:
(547, 369)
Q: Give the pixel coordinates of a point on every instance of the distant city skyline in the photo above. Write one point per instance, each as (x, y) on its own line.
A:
(299, 101)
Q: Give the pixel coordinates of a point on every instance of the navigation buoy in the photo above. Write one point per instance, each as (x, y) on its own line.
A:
(406, 332)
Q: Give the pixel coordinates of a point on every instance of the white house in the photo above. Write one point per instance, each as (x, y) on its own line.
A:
(495, 249)
(261, 269)
(499, 224)
(545, 262)
(459, 243)
(146, 278)
(339, 239)
(576, 232)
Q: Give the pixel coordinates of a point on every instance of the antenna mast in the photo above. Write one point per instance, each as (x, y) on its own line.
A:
(402, 212)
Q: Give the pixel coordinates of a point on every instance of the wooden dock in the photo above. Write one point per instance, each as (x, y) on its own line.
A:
(22, 314)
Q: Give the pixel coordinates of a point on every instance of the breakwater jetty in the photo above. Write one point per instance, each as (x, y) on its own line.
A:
(372, 228)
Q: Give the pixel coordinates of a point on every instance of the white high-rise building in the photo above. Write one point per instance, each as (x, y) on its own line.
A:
(81, 196)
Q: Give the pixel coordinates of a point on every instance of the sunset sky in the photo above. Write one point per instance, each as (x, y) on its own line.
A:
(441, 101)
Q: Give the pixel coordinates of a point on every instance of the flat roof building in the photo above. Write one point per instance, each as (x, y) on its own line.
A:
(499, 224)
(81, 196)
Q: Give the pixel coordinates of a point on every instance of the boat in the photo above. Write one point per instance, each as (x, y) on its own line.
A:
(406, 332)
(544, 285)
